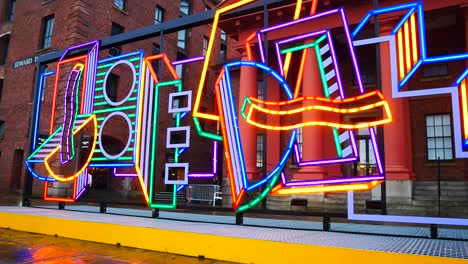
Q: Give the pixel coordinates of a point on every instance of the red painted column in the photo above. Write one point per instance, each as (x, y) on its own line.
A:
(312, 136)
(248, 133)
(397, 134)
(273, 150)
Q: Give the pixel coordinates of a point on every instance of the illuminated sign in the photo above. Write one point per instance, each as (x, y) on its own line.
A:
(89, 109)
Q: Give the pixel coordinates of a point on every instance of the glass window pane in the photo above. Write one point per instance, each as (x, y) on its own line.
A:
(439, 143)
(430, 120)
(362, 151)
(448, 154)
(447, 131)
(430, 131)
(431, 154)
(448, 143)
(431, 143)
(446, 120)
(363, 131)
(179, 70)
(438, 120)
(440, 154)
(371, 153)
(438, 131)
(185, 7)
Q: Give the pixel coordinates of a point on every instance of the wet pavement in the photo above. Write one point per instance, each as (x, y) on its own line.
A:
(22, 247)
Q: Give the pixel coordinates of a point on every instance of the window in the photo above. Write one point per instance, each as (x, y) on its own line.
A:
(47, 30)
(1, 89)
(181, 36)
(367, 77)
(223, 53)
(111, 86)
(366, 164)
(299, 139)
(41, 137)
(44, 69)
(260, 150)
(115, 30)
(223, 47)
(184, 7)
(435, 70)
(11, 14)
(159, 15)
(120, 4)
(2, 128)
(205, 45)
(4, 46)
(260, 90)
(439, 137)
(223, 36)
(179, 68)
(155, 63)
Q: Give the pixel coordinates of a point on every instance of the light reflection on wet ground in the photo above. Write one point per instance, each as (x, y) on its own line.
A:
(22, 247)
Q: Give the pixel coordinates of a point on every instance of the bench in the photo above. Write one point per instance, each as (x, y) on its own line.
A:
(204, 192)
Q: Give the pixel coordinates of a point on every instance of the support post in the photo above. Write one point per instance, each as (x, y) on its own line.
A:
(28, 178)
(434, 231)
(102, 208)
(61, 205)
(239, 218)
(155, 213)
(326, 223)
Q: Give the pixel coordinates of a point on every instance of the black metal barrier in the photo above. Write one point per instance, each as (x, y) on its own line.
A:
(239, 217)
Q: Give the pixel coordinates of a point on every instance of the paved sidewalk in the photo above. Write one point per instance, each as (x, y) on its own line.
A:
(418, 246)
(398, 230)
(25, 248)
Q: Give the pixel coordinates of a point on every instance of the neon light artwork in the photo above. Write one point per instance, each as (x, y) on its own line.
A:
(257, 112)
(409, 54)
(158, 156)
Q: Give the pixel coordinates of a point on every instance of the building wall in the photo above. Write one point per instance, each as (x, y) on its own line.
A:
(75, 21)
(446, 34)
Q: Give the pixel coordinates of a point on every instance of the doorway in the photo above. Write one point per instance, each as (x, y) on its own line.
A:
(16, 169)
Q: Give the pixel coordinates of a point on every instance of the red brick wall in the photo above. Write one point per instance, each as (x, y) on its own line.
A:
(75, 21)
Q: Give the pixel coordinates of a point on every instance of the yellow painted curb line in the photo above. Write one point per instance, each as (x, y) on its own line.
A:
(210, 246)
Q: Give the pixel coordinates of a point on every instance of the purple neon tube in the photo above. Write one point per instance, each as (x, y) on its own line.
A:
(331, 181)
(194, 59)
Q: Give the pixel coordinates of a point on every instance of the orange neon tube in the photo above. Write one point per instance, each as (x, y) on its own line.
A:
(315, 105)
(401, 66)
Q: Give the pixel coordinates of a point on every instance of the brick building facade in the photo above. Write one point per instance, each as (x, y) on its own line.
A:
(29, 28)
(410, 146)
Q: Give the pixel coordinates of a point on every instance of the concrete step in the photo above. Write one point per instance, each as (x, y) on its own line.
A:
(424, 202)
(342, 201)
(357, 195)
(459, 204)
(454, 183)
(426, 188)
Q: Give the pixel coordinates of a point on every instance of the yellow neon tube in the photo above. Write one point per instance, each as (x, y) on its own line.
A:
(464, 107)
(196, 113)
(414, 38)
(407, 47)
(287, 60)
(93, 146)
(318, 107)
